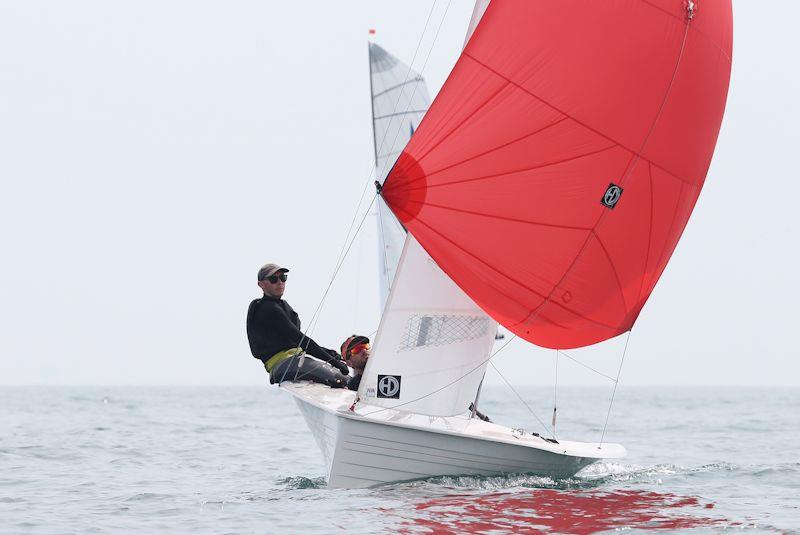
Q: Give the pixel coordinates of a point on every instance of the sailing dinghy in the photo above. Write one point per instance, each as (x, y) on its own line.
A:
(544, 189)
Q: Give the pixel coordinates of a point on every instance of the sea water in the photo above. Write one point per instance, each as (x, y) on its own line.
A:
(241, 460)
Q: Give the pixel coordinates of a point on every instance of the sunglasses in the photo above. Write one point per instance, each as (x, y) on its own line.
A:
(358, 349)
(275, 278)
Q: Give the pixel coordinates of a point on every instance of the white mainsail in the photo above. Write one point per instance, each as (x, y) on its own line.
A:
(399, 101)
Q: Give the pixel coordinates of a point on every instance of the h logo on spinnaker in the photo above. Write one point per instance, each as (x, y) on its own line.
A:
(389, 386)
(611, 196)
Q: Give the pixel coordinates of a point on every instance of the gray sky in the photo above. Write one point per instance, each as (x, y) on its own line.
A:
(154, 154)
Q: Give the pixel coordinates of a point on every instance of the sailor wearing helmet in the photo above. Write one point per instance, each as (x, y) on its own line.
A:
(356, 351)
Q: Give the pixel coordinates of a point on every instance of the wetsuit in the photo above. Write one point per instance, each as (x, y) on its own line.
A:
(274, 327)
(354, 381)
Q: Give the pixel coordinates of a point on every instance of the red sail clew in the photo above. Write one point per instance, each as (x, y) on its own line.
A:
(555, 172)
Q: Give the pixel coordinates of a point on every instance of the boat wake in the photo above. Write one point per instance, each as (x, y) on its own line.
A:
(593, 477)
(300, 482)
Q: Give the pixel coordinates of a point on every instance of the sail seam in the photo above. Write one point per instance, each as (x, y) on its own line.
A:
(389, 154)
(671, 224)
(627, 172)
(467, 118)
(514, 171)
(504, 218)
(699, 32)
(649, 233)
(397, 86)
(590, 320)
(399, 113)
(493, 149)
(660, 108)
(613, 270)
(605, 136)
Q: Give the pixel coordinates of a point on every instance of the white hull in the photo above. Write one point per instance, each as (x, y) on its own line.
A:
(372, 446)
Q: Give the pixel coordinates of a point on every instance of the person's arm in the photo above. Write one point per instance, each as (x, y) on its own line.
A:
(284, 326)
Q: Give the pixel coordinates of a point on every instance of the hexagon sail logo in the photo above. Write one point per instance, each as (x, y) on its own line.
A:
(389, 386)
(611, 196)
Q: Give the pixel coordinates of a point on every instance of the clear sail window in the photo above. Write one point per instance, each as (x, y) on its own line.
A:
(423, 331)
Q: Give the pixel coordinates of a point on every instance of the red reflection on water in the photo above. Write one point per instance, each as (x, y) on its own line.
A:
(549, 510)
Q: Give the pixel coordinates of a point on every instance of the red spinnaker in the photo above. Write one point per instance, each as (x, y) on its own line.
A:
(509, 182)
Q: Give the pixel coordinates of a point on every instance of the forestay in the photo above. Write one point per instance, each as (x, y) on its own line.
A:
(433, 343)
(399, 101)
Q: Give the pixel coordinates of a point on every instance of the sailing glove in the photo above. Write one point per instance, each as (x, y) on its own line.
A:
(341, 366)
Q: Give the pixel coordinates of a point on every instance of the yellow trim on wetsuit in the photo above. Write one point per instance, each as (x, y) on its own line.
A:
(280, 356)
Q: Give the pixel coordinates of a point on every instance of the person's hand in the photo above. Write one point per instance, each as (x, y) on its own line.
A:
(342, 367)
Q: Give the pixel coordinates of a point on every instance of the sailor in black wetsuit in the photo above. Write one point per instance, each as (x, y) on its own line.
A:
(273, 330)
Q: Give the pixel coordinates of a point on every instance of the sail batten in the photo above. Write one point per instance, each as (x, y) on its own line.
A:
(597, 116)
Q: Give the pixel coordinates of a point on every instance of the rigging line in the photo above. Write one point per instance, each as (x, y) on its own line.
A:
(489, 265)
(614, 392)
(433, 44)
(493, 149)
(610, 261)
(382, 243)
(523, 401)
(374, 165)
(649, 231)
(500, 217)
(333, 277)
(343, 252)
(573, 359)
(399, 96)
(379, 146)
(549, 105)
(315, 317)
(638, 155)
(397, 86)
(555, 395)
(451, 383)
(628, 171)
(699, 32)
(542, 165)
(355, 216)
